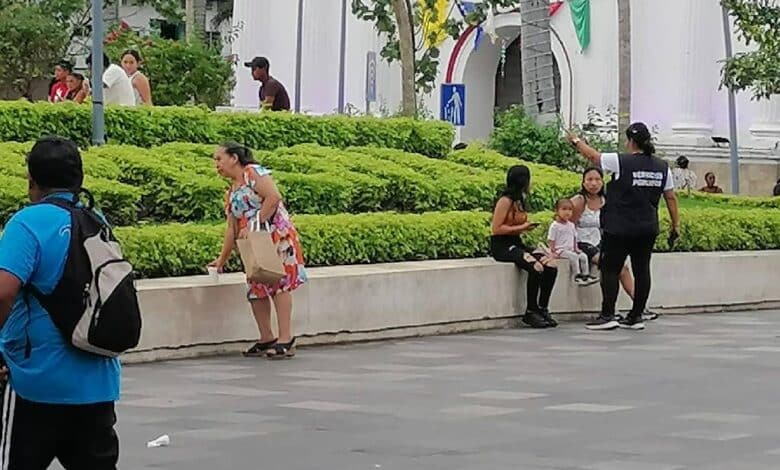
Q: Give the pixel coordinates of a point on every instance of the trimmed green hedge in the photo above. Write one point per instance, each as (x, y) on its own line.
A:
(21, 121)
(184, 249)
(734, 201)
(548, 184)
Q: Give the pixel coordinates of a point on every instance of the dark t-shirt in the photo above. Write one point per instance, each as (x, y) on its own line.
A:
(274, 87)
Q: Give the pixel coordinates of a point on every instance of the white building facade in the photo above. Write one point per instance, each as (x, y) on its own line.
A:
(677, 47)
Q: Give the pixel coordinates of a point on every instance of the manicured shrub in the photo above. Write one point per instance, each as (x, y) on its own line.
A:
(182, 249)
(21, 121)
(548, 183)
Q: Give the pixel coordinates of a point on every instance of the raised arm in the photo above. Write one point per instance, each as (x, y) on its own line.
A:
(593, 155)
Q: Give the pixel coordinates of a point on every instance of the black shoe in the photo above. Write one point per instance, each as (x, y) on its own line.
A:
(603, 323)
(545, 313)
(535, 319)
(649, 316)
(633, 322)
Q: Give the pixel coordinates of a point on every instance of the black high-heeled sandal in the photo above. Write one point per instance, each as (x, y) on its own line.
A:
(282, 350)
(259, 349)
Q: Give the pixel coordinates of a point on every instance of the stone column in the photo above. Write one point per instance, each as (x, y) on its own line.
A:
(766, 127)
(692, 125)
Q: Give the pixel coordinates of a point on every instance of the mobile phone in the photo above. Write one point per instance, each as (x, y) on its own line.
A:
(533, 224)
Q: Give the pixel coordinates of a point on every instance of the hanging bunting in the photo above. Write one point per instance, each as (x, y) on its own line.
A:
(465, 8)
(434, 22)
(555, 6)
(580, 15)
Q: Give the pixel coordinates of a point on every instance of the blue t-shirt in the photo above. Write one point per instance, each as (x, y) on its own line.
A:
(33, 248)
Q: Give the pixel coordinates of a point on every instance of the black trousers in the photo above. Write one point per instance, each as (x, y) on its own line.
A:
(510, 249)
(614, 251)
(81, 437)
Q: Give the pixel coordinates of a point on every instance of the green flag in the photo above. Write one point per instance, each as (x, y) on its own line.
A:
(580, 15)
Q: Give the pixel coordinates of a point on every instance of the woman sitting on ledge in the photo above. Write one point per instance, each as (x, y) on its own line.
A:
(510, 220)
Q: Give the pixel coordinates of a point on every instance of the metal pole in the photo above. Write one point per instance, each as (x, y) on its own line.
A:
(733, 146)
(342, 55)
(299, 57)
(98, 117)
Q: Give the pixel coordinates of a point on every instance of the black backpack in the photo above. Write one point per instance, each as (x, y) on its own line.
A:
(94, 304)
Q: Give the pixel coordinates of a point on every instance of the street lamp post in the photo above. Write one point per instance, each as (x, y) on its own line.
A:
(342, 57)
(98, 117)
(298, 57)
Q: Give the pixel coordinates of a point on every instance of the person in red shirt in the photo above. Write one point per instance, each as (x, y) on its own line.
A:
(58, 91)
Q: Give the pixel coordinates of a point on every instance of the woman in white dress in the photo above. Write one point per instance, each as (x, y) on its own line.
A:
(131, 61)
(587, 218)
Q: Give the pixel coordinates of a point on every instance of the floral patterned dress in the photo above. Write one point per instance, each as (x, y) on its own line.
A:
(244, 204)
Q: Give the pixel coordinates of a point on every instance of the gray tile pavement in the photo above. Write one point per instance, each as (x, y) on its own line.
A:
(696, 392)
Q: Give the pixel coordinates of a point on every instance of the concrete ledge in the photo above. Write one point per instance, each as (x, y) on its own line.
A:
(191, 316)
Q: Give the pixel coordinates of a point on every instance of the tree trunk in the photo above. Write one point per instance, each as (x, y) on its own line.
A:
(406, 42)
(624, 69)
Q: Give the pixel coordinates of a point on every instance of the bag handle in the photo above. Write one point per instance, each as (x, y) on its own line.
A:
(255, 225)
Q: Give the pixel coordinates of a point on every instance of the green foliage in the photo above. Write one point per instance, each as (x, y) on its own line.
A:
(518, 135)
(731, 201)
(176, 249)
(151, 126)
(758, 24)
(180, 73)
(117, 200)
(548, 184)
(275, 130)
(427, 53)
(27, 33)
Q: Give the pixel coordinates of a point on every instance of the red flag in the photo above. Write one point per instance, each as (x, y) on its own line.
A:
(555, 6)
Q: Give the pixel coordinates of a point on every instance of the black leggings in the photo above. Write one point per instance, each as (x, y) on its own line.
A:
(510, 249)
(614, 251)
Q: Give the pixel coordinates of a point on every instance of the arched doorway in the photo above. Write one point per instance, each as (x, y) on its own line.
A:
(509, 79)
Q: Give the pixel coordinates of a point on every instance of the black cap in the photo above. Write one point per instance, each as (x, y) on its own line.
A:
(638, 132)
(257, 63)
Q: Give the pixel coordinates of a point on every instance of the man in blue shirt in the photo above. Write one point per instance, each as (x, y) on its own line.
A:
(59, 401)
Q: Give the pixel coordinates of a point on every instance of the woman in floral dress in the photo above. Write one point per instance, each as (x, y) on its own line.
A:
(253, 196)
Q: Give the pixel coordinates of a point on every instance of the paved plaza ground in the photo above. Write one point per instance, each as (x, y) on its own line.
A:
(690, 392)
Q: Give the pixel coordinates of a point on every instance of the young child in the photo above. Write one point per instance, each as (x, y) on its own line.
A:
(562, 237)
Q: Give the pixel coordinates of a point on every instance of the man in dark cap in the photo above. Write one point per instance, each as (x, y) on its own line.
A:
(273, 95)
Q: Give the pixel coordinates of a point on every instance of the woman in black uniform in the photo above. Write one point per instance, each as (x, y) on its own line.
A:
(629, 219)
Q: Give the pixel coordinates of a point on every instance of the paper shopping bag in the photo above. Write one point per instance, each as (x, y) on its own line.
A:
(262, 263)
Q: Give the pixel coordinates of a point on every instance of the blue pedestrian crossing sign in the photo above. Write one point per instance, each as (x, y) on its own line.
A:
(453, 103)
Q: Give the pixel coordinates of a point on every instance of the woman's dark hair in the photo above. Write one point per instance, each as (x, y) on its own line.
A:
(682, 162)
(55, 163)
(518, 180)
(133, 53)
(584, 192)
(241, 152)
(709, 173)
(77, 76)
(640, 135)
(64, 65)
